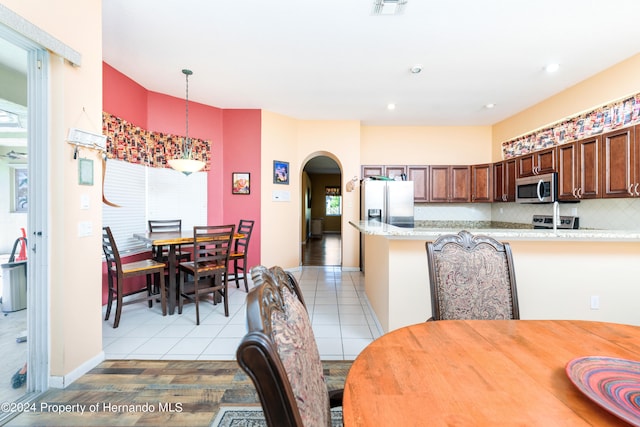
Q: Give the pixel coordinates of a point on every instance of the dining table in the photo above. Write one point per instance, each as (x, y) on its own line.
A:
(496, 373)
(172, 240)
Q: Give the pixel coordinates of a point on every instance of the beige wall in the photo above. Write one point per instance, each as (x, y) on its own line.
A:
(280, 220)
(297, 141)
(75, 263)
(612, 84)
(555, 280)
(425, 145)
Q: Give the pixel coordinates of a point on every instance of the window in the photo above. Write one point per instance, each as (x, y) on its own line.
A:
(333, 201)
(145, 193)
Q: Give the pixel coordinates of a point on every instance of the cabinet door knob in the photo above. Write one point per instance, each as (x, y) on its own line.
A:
(630, 190)
(636, 189)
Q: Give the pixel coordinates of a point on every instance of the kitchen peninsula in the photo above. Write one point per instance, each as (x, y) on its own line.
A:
(563, 274)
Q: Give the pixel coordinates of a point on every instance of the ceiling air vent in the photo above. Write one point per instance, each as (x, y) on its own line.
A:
(388, 7)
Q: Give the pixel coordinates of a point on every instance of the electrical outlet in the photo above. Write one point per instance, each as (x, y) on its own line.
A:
(595, 302)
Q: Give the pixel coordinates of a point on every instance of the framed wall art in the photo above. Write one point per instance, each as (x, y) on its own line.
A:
(280, 172)
(85, 172)
(241, 183)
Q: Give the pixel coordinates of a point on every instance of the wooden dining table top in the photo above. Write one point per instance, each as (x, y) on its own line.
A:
(482, 373)
(165, 238)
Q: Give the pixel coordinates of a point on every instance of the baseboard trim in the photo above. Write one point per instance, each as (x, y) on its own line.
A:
(65, 380)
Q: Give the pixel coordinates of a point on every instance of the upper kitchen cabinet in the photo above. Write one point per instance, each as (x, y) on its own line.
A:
(536, 163)
(450, 184)
(390, 171)
(620, 165)
(578, 169)
(481, 183)
(504, 181)
(420, 177)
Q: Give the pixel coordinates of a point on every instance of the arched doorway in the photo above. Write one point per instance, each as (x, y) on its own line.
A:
(322, 213)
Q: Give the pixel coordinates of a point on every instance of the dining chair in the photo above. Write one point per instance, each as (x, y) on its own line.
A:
(117, 272)
(211, 248)
(284, 279)
(471, 277)
(161, 253)
(280, 355)
(238, 257)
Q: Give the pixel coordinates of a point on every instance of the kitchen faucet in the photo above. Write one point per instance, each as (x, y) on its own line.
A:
(556, 216)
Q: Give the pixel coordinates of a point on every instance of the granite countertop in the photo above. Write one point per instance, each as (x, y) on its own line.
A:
(519, 232)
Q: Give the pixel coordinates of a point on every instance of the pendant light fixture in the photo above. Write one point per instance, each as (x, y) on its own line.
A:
(186, 163)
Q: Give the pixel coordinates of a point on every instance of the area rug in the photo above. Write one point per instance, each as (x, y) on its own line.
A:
(252, 416)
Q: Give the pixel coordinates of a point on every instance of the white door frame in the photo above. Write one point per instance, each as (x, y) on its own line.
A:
(38, 274)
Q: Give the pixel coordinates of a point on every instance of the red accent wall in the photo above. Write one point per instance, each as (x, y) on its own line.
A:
(123, 97)
(235, 137)
(243, 127)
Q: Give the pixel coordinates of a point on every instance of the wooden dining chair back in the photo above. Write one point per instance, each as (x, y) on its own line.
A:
(117, 272)
(161, 253)
(211, 248)
(280, 355)
(238, 256)
(471, 277)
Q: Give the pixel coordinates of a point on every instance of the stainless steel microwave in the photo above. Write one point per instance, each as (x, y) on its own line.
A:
(537, 188)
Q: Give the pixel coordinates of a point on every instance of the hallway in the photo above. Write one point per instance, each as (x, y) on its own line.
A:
(324, 251)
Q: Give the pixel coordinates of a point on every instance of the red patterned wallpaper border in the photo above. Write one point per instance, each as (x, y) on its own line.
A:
(603, 119)
(131, 143)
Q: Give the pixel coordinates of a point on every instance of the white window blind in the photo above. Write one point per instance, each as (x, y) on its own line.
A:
(150, 193)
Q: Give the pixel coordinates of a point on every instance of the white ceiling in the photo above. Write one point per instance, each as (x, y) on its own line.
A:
(333, 60)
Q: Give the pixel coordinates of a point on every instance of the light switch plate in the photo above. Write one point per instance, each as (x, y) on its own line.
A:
(84, 202)
(85, 228)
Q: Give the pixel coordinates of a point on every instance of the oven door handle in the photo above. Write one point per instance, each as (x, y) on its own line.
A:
(538, 190)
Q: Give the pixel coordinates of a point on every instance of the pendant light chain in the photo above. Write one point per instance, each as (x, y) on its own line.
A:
(185, 163)
(187, 142)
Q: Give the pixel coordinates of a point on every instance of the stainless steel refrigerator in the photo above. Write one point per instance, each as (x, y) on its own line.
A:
(390, 202)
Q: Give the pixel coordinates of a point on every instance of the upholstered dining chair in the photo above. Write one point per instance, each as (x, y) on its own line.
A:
(471, 277)
(283, 279)
(280, 355)
(160, 253)
(117, 272)
(238, 256)
(211, 248)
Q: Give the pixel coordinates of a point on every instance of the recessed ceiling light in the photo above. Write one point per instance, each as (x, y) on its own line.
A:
(552, 68)
(391, 106)
(489, 105)
(416, 69)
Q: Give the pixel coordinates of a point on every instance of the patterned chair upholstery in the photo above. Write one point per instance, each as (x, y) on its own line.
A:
(471, 277)
(280, 355)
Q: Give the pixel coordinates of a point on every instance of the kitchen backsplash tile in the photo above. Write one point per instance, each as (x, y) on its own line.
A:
(609, 214)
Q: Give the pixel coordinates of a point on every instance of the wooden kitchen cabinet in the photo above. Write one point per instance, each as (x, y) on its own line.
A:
(482, 183)
(537, 163)
(390, 171)
(449, 184)
(420, 177)
(504, 181)
(578, 169)
(620, 163)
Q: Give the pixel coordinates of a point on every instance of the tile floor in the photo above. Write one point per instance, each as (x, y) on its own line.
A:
(13, 354)
(342, 321)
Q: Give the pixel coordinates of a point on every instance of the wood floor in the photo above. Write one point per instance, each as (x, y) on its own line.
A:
(326, 250)
(153, 393)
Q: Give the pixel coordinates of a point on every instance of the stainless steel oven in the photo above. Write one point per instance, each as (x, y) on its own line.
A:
(537, 188)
